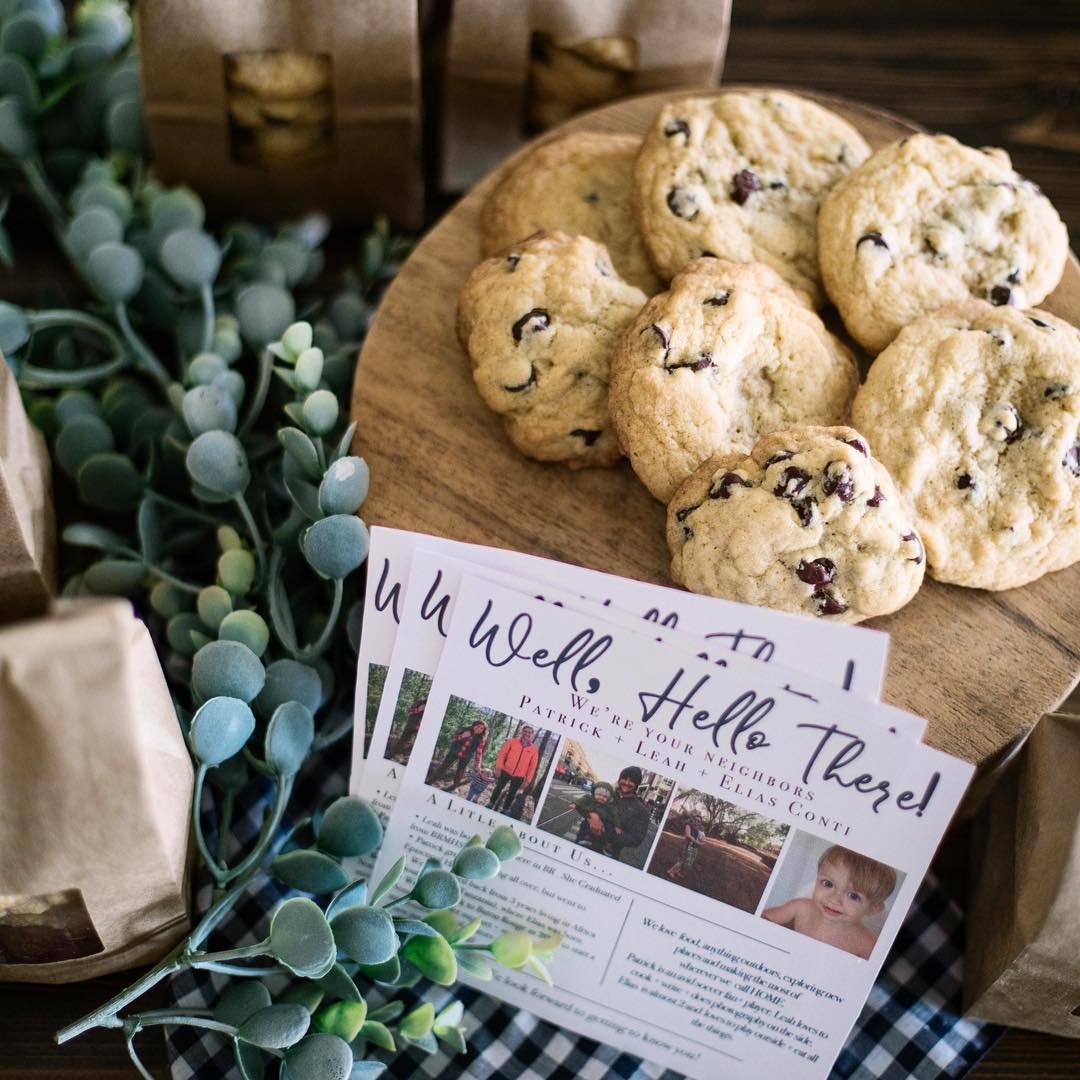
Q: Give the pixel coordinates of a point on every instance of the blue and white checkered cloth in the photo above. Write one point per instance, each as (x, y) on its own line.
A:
(909, 1027)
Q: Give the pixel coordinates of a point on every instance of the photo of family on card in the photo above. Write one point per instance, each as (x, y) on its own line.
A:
(491, 759)
(603, 804)
(408, 712)
(718, 849)
(833, 894)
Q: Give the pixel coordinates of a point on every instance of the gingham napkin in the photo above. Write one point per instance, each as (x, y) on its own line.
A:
(909, 1027)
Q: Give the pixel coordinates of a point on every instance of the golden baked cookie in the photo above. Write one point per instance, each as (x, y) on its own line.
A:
(927, 222)
(579, 184)
(729, 354)
(539, 322)
(807, 522)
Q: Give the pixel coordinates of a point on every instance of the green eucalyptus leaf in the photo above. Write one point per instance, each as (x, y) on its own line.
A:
(14, 328)
(213, 604)
(342, 1018)
(322, 1056)
(275, 1027)
(367, 1070)
(449, 1017)
(247, 627)
(407, 927)
(264, 311)
(454, 1038)
(122, 403)
(300, 938)
(107, 194)
(437, 889)
(167, 600)
(350, 827)
(115, 576)
(227, 668)
(434, 957)
(388, 1012)
(476, 864)
(115, 271)
(290, 256)
(320, 412)
(16, 136)
(339, 984)
(220, 728)
(249, 1061)
(418, 1022)
(289, 736)
(336, 546)
(302, 450)
(294, 411)
(345, 443)
(352, 895)
(83, 534)
(505, 843)
(236, 571)
(305, 497)
(344, 487)
(365, 934)
(96, 225)
(191, 257)
(474, 964)
(25, 35)
(179, 629)
(309, 871)
(232, 382)
(17, 80)
(295, 340)
(209, 408)
(309, 368)
(216, 460)
(303, 993)
(389, 880)
(124, 126)
(289, 680)
(80, 439)
(178, 208)
(110, 482)
(205, 367)
(386, 973)
(239, 1000)
(73, 403)
(151, 531)
(378, 1033)
(349, 314)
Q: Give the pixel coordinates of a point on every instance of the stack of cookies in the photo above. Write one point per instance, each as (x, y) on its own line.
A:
(658, 299)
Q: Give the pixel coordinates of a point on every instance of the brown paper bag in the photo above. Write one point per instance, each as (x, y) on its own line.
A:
(95, 797)
(509, 62)
(1022, 964)
(273, 107)
(27, 531)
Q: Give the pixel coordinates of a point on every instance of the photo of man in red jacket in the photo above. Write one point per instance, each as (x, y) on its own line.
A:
(516, 764)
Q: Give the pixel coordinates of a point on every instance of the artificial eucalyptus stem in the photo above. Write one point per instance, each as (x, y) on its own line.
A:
(206, 298)
(253, 531)
(318, 647)
(180, 508)
(196, 826)
(43, 192)
(266, 834)
(147, 359)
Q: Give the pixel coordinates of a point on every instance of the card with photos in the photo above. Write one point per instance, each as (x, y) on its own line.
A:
(728, 858)
(853, 656)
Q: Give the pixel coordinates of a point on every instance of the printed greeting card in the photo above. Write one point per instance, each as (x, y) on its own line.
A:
(728, 857)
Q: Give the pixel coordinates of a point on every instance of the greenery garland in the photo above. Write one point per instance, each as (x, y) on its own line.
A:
(162, 399)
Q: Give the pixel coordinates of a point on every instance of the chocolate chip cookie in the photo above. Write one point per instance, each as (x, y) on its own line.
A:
(808, 522)
(741, 176)
(975, 410)
(578, 184)
(927, 222)
(729, 354)
(539, 322)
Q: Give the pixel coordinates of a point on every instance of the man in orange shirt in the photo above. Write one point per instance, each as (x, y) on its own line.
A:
(517, 762)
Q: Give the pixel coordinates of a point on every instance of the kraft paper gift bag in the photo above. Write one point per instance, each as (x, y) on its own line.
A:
(1022, 963)
(95, 797)
(27, 531)
(514, 67)
(275, 107)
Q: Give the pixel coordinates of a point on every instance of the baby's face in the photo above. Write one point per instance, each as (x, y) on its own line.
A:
(838, 899)
(602, 796)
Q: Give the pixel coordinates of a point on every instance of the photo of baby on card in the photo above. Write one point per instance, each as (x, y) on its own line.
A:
(833, 894)
(491, 759)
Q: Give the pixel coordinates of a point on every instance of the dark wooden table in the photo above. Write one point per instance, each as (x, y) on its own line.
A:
(992, 73)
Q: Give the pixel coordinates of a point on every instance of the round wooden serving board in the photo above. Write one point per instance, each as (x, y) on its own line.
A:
(982, 667)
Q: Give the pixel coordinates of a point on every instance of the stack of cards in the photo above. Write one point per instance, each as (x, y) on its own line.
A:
(717, 812)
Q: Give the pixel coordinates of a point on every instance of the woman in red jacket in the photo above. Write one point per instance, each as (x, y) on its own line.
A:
(517, 762)
(466, 743)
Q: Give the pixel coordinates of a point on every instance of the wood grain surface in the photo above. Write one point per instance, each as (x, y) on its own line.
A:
(997, 73)
(981, 667)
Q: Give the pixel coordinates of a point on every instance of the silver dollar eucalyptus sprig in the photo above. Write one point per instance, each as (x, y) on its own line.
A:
(199, 424)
